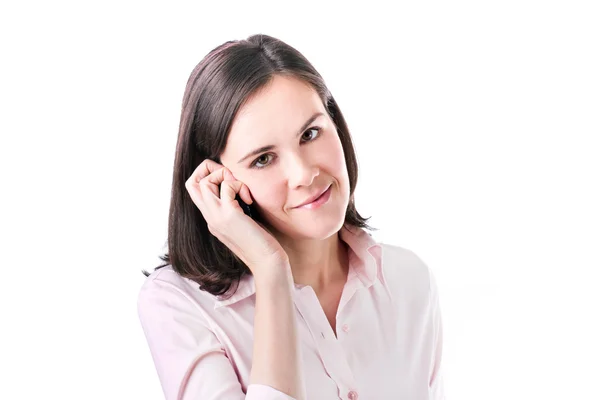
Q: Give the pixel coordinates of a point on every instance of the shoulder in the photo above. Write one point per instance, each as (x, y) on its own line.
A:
(405, 273)
(166, 279)
(165, 291)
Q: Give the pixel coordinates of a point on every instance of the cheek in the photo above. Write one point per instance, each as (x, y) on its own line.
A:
(333, 159)
(267, 196)
(260, 184)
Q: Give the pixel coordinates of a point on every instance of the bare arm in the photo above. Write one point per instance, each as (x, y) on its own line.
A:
(276, 358)
(276, 354)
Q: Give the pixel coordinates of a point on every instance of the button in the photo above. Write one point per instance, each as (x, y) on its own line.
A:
(345, 328)
(352, 395)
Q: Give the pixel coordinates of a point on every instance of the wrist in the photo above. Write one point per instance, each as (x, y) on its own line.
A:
(275, 273)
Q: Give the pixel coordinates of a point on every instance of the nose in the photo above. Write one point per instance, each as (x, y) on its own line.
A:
(301, 171)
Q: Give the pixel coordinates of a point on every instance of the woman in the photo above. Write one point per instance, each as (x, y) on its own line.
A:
(271, 287)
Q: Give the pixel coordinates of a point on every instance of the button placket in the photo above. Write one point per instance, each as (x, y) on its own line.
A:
(330, 350)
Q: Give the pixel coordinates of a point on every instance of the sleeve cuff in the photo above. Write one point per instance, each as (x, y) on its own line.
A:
(264, 392)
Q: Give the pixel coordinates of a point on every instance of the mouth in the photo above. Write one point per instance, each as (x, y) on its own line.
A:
(318, 201)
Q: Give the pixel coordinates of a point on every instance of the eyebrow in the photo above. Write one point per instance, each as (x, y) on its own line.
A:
(271, 147)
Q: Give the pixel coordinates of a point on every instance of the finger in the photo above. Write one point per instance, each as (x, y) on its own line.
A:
(198, 198)
(228, 175)
(244, 192)
(205, 168)
(229, 189)
(209, 186)
(215, 177)
(204, 193)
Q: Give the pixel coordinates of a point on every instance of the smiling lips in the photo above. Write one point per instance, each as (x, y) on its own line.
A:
(317, 200)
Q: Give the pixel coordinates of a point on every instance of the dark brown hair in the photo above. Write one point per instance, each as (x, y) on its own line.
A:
(216, 89)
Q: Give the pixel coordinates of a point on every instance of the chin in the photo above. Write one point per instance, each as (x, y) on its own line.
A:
(317, 230)
(315, 225)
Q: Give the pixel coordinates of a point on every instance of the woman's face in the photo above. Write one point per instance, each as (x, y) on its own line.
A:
(284, 146)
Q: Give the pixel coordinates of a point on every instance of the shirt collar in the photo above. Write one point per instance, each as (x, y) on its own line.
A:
(364, 257)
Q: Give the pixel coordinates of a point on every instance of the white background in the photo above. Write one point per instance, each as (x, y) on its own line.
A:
(477, 128)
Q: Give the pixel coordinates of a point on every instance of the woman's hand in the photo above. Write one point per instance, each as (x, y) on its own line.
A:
(226, 220)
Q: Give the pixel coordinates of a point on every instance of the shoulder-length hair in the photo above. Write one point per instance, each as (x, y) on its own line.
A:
(216, 89)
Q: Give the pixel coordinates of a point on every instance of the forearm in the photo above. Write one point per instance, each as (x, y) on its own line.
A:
(276, 354)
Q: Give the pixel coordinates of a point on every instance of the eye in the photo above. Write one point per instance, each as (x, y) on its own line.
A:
(310, 137)
(265, 160)
(261, 161)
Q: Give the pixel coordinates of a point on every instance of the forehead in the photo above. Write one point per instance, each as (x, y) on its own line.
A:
(275, 112)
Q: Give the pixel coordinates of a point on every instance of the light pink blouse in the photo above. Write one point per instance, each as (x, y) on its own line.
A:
(388, 325)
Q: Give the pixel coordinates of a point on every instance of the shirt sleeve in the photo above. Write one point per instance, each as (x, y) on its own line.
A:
(436, 381)
(189, 359)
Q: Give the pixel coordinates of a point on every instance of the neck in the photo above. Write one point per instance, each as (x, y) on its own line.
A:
(318, 263)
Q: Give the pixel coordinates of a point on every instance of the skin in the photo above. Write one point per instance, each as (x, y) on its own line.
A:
(295, 245)
(296, 168)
